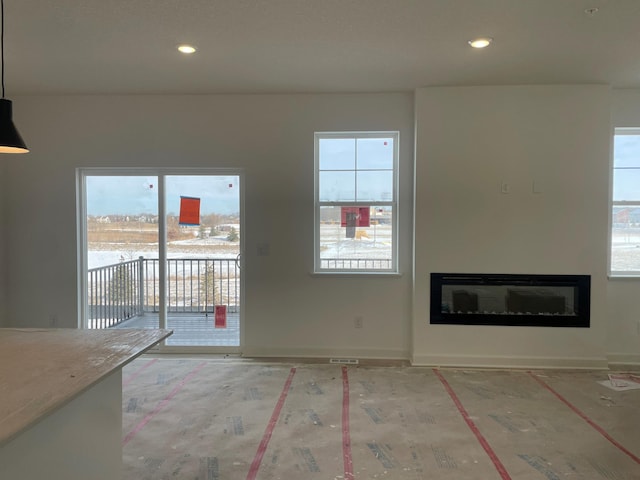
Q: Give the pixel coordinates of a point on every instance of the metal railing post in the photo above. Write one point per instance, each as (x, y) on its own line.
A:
(206, 288)
(141, 285)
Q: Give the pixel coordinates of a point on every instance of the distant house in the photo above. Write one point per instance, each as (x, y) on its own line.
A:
(226, 227)
(626, 216)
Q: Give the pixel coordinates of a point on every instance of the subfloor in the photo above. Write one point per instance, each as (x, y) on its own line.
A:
(227, 419)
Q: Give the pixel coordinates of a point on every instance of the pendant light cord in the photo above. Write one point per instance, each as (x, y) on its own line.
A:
(2, 41)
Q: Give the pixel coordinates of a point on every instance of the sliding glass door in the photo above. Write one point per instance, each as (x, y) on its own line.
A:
(163, 250)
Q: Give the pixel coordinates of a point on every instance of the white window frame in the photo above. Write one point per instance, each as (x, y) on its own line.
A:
(393, 203)
(618, 131)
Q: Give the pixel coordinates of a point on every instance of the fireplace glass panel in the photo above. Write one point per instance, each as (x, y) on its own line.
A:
(528, 300)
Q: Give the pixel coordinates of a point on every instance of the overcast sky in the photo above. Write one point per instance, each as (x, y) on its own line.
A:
(626, 181)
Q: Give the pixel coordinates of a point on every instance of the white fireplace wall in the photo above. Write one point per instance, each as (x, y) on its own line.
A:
(548, 147)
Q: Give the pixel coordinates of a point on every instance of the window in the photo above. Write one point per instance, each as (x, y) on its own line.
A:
(356, 202)
(625, 215)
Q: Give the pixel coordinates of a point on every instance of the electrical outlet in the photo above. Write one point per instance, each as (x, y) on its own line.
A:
(358, 321)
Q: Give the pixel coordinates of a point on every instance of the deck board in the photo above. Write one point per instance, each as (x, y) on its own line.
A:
(191, 329)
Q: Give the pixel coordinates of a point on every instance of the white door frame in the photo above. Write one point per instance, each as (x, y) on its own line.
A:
(161, 173)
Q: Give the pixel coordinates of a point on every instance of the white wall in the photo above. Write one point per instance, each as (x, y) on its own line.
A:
(469, 141)
(623, 340)
(3, 251)
(288, 312)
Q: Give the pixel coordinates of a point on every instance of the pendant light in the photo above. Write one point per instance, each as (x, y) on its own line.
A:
(10, 139)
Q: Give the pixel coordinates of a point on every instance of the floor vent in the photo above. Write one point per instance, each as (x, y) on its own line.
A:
(348, 361)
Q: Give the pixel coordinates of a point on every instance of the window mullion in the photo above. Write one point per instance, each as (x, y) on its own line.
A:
(355, 172)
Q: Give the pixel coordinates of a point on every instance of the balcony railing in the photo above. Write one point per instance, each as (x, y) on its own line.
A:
(356, 263)
(194, 285)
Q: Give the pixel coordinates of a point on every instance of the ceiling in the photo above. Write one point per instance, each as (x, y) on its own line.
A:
(291, 46)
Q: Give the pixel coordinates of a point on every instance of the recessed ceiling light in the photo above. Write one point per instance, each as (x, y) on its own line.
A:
(186, 49)
(481, 42)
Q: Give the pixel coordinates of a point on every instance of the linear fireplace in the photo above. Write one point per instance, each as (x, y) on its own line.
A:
(516, 300)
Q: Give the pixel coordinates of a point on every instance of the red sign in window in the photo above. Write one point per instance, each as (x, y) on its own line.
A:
(189, 211)
(354, 217)
(220, 316)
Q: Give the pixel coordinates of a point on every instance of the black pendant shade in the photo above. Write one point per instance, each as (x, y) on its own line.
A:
(10, 139)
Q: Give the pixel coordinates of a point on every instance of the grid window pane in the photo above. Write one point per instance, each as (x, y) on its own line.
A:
(337, 186)
(625, 238)
(345, 247)
(626, 151)
(626, 184)
(375, 153)
(375, 186)
(337, 154)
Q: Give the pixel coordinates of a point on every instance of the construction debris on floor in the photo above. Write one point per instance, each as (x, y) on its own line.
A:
(210, 419)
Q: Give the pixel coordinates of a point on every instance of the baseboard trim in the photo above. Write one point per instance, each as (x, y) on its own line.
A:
(325, 353)
(590, 363)
(618, 361)
(624, 361)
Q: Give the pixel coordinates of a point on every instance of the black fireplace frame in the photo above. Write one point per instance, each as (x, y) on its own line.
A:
(581, 308)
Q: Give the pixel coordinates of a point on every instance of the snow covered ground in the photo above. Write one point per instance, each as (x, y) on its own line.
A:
(374, 242)
(100, 255)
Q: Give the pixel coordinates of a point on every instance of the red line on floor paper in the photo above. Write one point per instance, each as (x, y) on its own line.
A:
(578, 412)
(483, 441)
(138, 372)
(262, 448)
(346, 434)
(162, 404)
